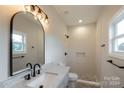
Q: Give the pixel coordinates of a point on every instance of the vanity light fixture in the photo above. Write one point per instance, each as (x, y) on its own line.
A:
(37, 12)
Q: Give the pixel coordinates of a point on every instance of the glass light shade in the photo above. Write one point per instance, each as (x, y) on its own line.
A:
(35, 17)
(39, 16)
(36, 9)
(27, 8)
(46, 21)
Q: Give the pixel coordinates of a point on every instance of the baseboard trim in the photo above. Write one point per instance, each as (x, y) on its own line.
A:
(92, 83)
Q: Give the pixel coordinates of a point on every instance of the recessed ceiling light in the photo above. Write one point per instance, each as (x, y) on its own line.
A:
(80, 21)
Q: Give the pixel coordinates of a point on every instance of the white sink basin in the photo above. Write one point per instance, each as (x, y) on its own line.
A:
(46, 80)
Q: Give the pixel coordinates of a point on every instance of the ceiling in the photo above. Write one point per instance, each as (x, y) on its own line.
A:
(71, 14)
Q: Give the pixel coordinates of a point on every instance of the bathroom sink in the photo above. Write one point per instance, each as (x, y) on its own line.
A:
(44, 80)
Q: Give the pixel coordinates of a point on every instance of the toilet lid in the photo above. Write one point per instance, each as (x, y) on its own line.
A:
(73, 76)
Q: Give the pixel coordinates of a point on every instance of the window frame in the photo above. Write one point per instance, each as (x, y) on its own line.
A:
(24, 43)
(113, 37)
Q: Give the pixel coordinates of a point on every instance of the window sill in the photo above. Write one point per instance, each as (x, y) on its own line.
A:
(21, 53)
(117, 56)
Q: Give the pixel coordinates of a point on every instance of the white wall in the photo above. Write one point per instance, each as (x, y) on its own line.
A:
(82, 50)
(5, 17)
(108, 71)
(54, 42)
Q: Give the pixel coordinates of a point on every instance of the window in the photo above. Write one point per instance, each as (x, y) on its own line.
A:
(117, 38)
(19, 43)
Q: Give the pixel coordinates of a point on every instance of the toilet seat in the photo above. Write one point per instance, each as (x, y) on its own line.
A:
(73, 76)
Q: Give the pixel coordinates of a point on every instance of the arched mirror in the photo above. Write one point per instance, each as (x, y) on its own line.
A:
(27, 44)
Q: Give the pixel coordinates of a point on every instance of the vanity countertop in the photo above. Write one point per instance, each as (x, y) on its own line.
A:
(54, 77)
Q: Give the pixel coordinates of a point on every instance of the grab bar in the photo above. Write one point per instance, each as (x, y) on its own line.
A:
(110, 61)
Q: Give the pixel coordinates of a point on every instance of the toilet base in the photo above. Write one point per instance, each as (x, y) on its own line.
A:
(72, 84)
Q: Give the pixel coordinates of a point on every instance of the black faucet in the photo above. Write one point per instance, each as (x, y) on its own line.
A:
(28, 76)
(34, 70)
(28, 65)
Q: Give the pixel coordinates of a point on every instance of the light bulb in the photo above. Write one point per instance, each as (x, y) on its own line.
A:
(34, 13)
(35, 17)
(80, 21)
(46, 21)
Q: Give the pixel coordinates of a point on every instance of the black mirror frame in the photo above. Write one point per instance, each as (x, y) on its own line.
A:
(10, 47)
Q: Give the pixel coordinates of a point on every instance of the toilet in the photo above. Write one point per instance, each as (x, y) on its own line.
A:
(73, 77)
